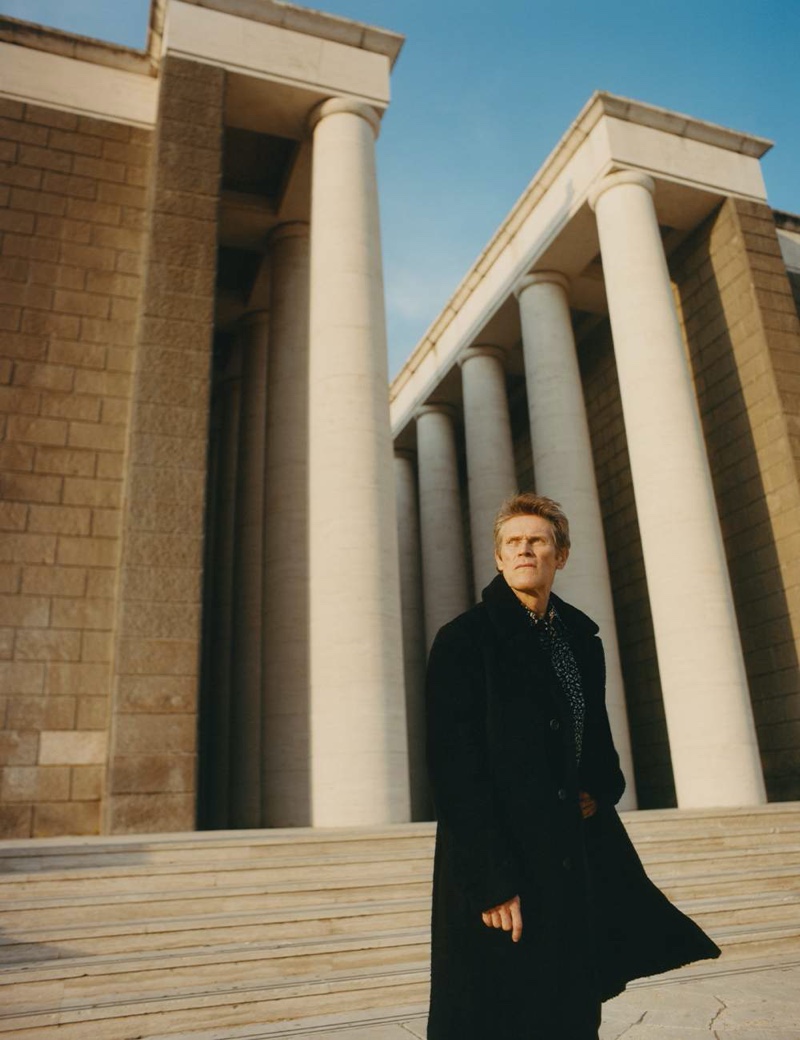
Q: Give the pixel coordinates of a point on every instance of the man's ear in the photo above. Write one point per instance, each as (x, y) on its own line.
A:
(561, 559)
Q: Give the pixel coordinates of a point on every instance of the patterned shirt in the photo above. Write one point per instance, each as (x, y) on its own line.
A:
(552, 637)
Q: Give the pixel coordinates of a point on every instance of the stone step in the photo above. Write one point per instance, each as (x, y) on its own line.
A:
(170, 877)
(30, 912)
(225, 1006)
(99, 932)
(110, 918)
(758, 940)
(139, 970)
(761, 908)
(62, 907)
(89, 977)
(665, 823)
(217, 847)
(66, 921)
(121, 1015)
(320, 1027)
(662, 862)
(727, 883)
(741, 840)
(322, 922)
(667, 862)
(173, 933)
(146, 851)
(340, 1025)
(110, 939)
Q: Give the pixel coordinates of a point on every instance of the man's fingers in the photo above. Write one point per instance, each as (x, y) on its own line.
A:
(507, 916)
(516, 921)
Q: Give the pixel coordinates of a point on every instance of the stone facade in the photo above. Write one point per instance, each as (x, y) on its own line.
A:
(152, 757)
(148, 207)
(72, 243)
(186, 410)
(742, 330)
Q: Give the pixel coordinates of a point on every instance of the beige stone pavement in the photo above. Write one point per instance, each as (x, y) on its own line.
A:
(747, 1000)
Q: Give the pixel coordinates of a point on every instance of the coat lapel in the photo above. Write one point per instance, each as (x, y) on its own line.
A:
(530, 668)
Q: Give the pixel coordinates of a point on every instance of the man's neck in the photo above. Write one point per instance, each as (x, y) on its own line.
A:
(536, 601)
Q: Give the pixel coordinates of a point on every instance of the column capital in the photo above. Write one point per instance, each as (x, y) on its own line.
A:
(482, 350)
(408, 454)
(541, 278)
(435, 409)
(290, 229)
(351, 106)
(614, 180)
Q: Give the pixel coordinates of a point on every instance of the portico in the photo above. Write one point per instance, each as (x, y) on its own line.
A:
(316, 714)
(597, 237)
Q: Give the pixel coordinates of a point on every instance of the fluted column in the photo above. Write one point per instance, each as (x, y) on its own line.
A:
(713, 744)
(245, 768)
(444, 565)
(413, 628)
(285, 758)
(490, 453)
(358, 727)
(564, 470)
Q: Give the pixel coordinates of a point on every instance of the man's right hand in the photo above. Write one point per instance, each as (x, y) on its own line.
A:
(507, 916)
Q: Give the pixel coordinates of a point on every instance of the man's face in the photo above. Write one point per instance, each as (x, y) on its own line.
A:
(528, 558)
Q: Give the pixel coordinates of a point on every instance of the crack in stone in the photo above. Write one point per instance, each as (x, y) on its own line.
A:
(627, 1029)
(722, 1007)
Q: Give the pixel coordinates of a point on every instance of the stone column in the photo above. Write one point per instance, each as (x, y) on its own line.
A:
(444, 565)
(564, 470)
(413, 629)
(713, 744)
(358, 726)
(245, 766)
(285, 755)
(490, 453)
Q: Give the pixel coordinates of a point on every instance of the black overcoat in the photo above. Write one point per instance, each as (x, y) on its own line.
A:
(505, 784)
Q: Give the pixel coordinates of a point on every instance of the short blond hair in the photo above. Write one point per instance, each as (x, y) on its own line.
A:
(526, 503)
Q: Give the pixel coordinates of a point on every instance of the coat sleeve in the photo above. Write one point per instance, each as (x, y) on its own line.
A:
(600, 775)
(460, 772)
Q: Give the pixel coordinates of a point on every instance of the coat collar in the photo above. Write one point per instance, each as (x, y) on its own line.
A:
(509, 618)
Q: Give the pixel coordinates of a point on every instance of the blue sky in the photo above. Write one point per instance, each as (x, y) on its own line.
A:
(483, 91)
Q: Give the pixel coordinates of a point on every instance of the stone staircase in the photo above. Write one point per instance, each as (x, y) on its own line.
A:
(246, 934)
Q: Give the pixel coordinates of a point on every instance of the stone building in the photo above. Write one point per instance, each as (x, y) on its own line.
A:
(628, 343)
(195, 421)
(170, 257)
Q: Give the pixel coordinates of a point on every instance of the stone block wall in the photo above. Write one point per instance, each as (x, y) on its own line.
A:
(152, 758)
(743, 337)
(72, 207)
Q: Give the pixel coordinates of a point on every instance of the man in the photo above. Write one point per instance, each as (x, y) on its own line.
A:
(541, 908)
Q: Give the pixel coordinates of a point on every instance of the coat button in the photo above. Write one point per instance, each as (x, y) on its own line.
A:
(562, 794)
(566, 863)
(555, 724)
